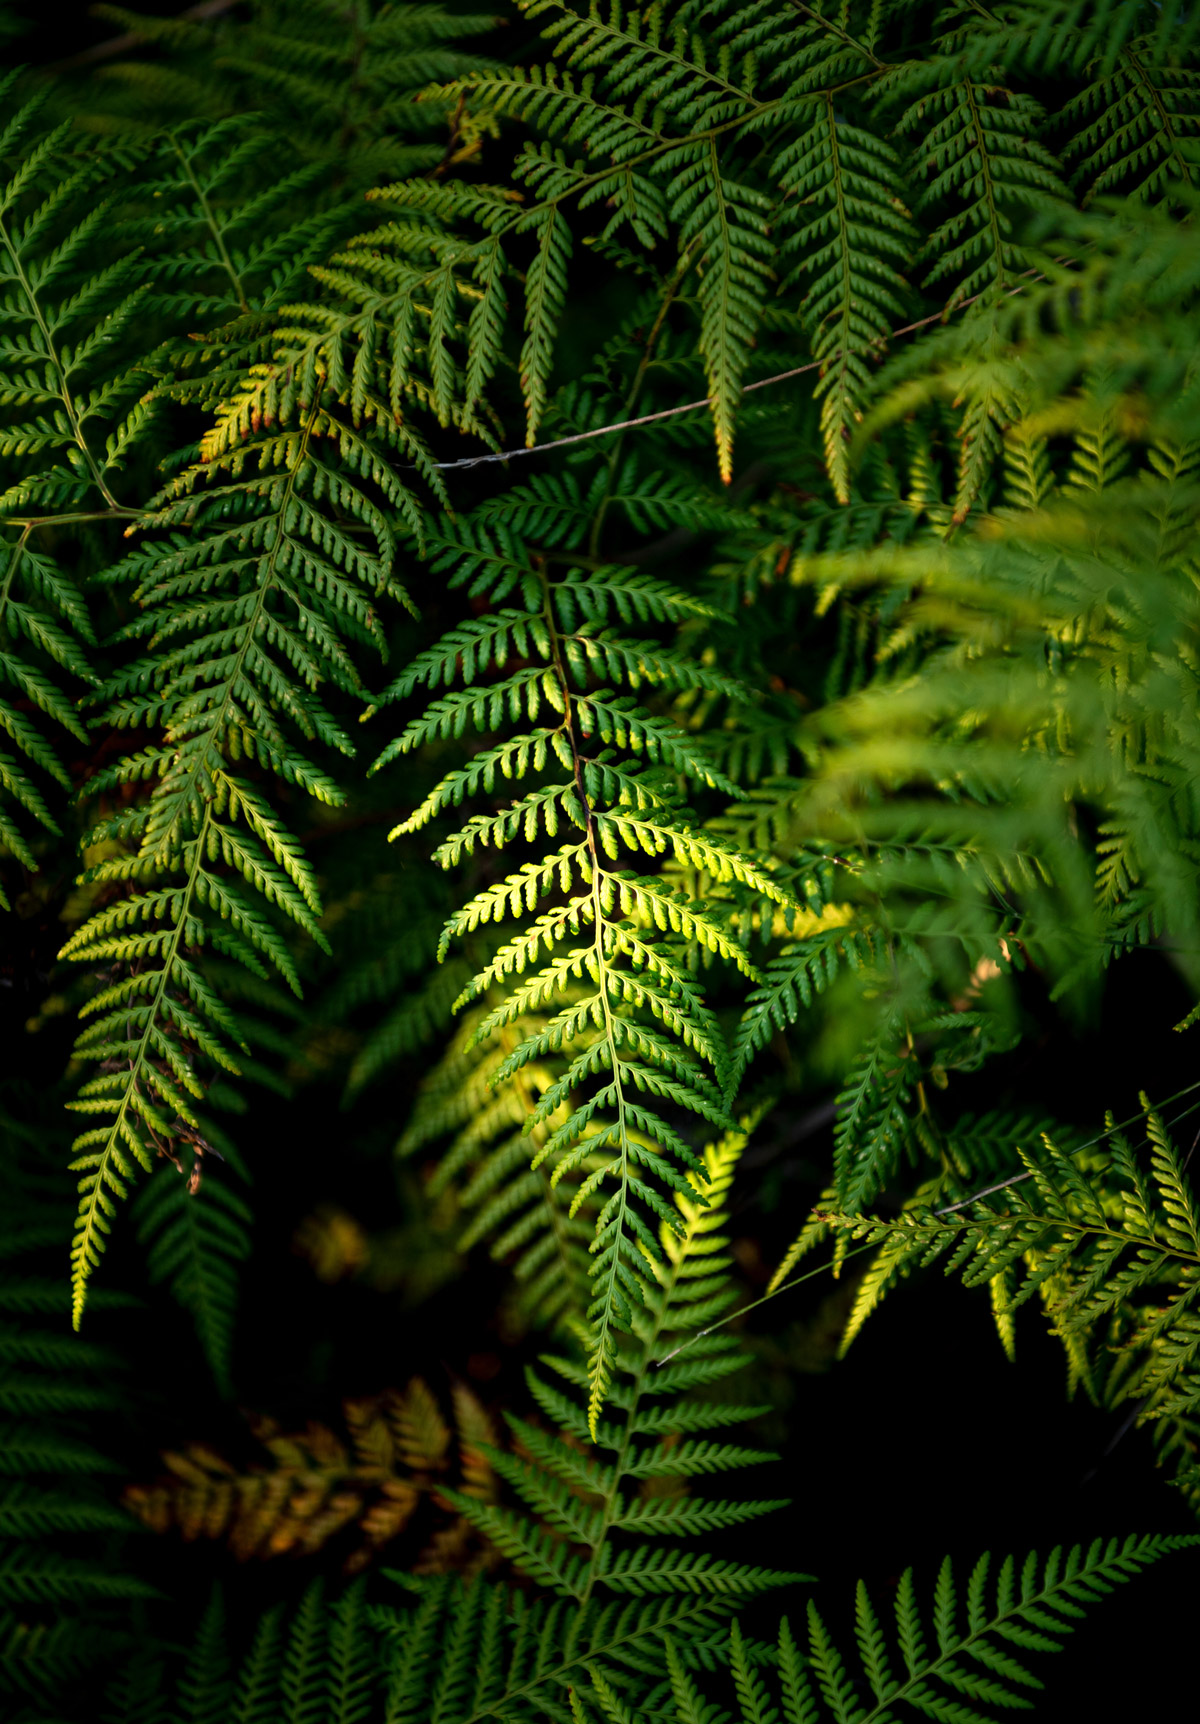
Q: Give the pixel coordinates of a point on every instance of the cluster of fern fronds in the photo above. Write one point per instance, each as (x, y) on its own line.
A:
(573, 586)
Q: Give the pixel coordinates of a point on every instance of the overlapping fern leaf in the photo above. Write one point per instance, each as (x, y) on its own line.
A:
(650, 115)
(386, 927)
(601, 1512)
(456, 1653)
(607, 966)
(651, 120)
(1107, 1239)
(975, 141)
(70, 412)
(959, 860)
(223, 232)
(197, 1233)
(322, 1665)
(961, 1657)
(610, 1536)
(493, 1164)
(1139, 113)
(260, 583)
(64, 1577)
(846, 222)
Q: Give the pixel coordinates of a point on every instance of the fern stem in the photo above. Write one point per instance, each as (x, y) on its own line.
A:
(117, 513)
(14, 561)
(601, 1341)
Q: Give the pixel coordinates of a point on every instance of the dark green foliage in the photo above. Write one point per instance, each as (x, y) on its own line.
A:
(333, 85)
(65, 1578)
(70, 418)
(463, 1654)
(960, 1659)
(583, 1499)
(818, 779)
(196, 1234)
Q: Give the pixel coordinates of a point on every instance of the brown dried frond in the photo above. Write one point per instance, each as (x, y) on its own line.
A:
(381, 1476)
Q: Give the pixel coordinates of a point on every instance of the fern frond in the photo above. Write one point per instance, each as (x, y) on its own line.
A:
(722, 223)
(1111, 1249)
(222, 235)
(337, 88)
(76, 412)
(1138, 120)
(800, 972)
(845, 218)
(960, 1658)
(65, 1586)
(583, 1497)
(377, 1479)
(979, 147)
(614, 955)
(196, 1232)
(39, 608)
(251, 600)
(460, 1654)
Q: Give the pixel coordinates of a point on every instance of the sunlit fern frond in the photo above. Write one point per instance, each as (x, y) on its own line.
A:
(607, 966)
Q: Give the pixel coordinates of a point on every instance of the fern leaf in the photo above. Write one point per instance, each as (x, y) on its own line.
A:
(723, 223)
(255, 606)
(196, 1233)
(851, 249)
(1138, 115)
(570, 1546)
(976, 1668)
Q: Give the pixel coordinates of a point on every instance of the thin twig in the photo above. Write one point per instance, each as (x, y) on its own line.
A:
(694, 406)
(823, 1268)
(1017, 1178)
